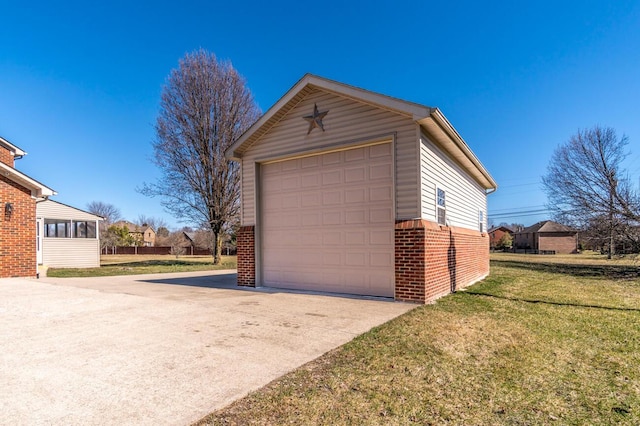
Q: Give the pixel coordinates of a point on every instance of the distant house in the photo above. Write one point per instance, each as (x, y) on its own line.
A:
(18, 196)
(190, 238)
(143, 235)
(548, 236)
(496, 233)
(67, 237)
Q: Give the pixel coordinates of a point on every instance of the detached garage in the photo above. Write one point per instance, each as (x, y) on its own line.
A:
(349, 191)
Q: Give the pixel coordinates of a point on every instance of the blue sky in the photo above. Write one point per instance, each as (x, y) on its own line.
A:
(80, 82)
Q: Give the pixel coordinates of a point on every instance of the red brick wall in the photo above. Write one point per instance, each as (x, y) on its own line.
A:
(560, 242)
(433, 260)
(17, 231)
(6, 157)
(246, 256)
(411, 261)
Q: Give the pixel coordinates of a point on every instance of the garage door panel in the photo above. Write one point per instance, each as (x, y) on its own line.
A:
(380, 237)
(357, 195)
(330, 198)
(328, 222)
(355, 238)
(382, 150)
(355, 175)
(380, 215)
(380, 171)
(356, 155)
(332, 178)
(380, 193)
(355, 217)
(332, 218)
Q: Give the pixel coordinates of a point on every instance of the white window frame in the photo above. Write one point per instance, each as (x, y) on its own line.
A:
(481, 220)
(441, 208)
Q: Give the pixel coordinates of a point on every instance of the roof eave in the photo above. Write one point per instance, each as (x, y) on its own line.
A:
(15, 151)
(437, 125)
(287, 102)
(38, 190)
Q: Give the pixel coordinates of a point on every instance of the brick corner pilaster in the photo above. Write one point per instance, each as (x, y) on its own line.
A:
(410, 261)
(246, 256)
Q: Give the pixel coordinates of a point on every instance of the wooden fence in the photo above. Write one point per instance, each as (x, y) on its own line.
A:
(188, 251)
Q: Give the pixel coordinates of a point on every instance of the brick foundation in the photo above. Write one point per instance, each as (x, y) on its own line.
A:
(432, 260)
(246, 256)
(17, 231)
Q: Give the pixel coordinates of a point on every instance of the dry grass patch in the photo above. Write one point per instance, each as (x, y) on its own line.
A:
(527, 346)
(120, 264)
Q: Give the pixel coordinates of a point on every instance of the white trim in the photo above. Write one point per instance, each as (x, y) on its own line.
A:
(431, 119)
(37, 189)
(326, 149)
(415, 111)
(15, 151)
(438, 207)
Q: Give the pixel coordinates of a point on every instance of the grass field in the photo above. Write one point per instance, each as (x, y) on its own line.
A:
(122, 264)
(543, 340)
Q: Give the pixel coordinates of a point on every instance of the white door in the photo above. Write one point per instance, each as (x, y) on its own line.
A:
(39, 231)
(328, 222)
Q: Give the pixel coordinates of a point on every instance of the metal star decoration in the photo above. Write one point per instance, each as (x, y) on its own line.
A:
(315, 119)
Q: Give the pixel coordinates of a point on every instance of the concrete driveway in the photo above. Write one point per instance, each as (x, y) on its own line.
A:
(158, 349)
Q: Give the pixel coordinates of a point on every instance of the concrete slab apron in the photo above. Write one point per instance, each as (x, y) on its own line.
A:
(158, 349)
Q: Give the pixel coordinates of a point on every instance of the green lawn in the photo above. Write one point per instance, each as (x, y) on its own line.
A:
(144, 264)
(543, 340)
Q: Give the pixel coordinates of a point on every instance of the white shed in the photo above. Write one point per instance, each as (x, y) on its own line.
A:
(67, 237)
(349, 191)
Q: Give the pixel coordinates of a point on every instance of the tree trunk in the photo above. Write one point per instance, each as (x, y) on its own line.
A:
(216, 247)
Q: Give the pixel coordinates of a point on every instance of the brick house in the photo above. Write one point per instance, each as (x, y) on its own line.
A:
(547, 236)
(496, 233)
(18, 196)
(349, 191)
(143, 235)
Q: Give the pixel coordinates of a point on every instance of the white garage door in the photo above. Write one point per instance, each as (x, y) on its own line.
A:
(328, 222)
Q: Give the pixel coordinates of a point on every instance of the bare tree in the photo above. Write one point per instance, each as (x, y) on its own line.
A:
(205, 106)
(154, 222)
(177, 243)
(585, 183)
(109, 212)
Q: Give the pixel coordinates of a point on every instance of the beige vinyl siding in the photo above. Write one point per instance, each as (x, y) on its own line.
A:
(68, 252)
(53, 210)
(71, 252)
(465, 197)
(347, 122)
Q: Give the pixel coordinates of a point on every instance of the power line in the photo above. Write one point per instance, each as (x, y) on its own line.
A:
(518, 213)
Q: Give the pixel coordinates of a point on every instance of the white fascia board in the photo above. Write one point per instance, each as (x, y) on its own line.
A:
(17, 152)
(37, 189)
(460, 146)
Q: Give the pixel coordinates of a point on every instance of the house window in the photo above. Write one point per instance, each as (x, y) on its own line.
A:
(84, 229)
(57, 228)
(441, 207)
(481, 220)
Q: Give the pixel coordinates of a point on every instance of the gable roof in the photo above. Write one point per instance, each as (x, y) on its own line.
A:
(37, 189)
(63, 211)
(502, 228)
(432, 121)
(547, 226)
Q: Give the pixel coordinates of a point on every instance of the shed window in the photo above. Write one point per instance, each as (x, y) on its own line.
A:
(441, 206)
